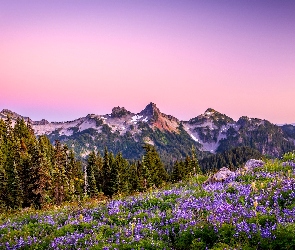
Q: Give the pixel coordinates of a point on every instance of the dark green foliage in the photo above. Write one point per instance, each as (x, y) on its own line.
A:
(32, 171)
(92, 190)
(59, 173)
(123, 174)
(106, 173)
(178, 171)
(185, 169)
(114, 175)
(232, 158)
(289, 130)
(262, 135)
(155, 172)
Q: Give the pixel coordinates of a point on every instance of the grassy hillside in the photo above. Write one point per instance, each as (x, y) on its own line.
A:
(255, 209)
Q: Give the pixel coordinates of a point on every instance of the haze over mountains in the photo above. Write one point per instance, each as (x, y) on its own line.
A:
(126, 132)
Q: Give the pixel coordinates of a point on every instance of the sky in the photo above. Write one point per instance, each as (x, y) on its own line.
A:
(61, 60)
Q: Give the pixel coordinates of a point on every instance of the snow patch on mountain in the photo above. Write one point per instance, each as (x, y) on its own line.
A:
(148, 141)
(194, 138)
(62, 128)
(135, 118)
(86, 125)
(208, 146)
(66, 128)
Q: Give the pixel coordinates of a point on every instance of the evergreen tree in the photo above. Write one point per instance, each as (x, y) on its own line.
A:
(133, 178)
(156, 172)
(46, 151)
(75, 176)
(195, 167)
(187, 167)
(14, 197)
(106, 173)
(15, 189)
(32, 172)
(178, 172)
(91, 181)
(113, 177)
(59, 173)
(3, 176)
(98, 172)
(42, 182)
(122, 167)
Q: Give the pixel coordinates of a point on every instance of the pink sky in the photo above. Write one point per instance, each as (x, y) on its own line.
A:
(61, 60)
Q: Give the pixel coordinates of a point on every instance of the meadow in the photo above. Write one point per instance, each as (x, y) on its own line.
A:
(254, 209)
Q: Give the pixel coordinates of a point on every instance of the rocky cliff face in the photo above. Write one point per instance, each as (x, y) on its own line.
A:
(158, 120)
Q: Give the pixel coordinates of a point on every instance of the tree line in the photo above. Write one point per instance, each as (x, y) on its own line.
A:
(33, 172)
(232, 159)
(115, 175)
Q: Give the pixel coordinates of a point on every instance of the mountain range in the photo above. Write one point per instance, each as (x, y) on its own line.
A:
(126, 132)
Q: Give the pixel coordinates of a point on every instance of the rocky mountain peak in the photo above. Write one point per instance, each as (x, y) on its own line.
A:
(9, 112)
(118, 112)
(159, 120)
(6, 112)
(210, 111)
(42, 122)
(246, 121)
(213, 116)
(151, 110)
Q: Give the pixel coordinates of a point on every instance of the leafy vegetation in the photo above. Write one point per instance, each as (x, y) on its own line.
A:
(49, 200)
(232, 159)
(252, 210)
(32, 171)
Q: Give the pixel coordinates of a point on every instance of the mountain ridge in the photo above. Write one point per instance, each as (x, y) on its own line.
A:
(125, 131)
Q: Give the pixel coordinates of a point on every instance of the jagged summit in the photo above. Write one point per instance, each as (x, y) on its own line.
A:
(150, 110)
(210, 111)
(10, 113)
(118, 112)
(245, 121)
(125, 131)
(42, 122)
(211, 115)
(5, 113)
(160, 120)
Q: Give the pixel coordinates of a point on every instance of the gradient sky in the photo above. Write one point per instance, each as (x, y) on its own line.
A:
(61, 60)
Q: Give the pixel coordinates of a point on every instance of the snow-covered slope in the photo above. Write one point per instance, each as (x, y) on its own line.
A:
(209, 128)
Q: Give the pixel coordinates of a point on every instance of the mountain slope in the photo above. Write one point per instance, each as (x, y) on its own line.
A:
(126, 132)
(123, 131)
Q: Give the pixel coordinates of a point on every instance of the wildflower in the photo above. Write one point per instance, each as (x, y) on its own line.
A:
(289, 173)
(133, 225)
(255, 204)
(81, 217)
